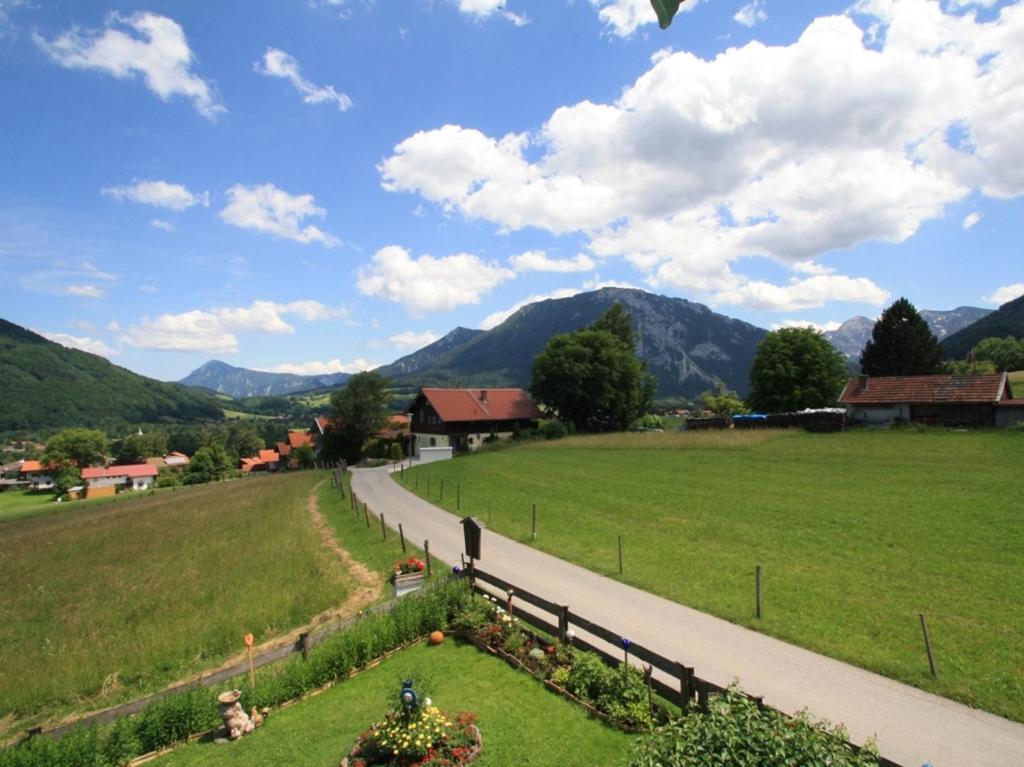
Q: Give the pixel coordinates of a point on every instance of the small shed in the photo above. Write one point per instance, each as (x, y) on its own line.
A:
(942, 400)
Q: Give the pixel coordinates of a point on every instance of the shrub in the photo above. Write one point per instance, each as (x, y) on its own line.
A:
(736, 732)
(553, 430)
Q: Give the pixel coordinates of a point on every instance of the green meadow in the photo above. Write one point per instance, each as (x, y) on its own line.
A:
(104, 602)
(857, 534)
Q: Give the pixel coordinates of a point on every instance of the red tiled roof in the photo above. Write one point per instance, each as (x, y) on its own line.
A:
(269, 456)
(924, 389)
(299, 438)
(131, 471)
(399, 420)
(248, 464)
(481, 404)
(283, 448)
(28, 466)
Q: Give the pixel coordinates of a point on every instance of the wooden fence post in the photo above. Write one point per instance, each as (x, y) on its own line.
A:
(620, 555)
(757, 589)
(383, 528)
(401, 536)
(928, 645)
(702, 695)
(366, 513)
(426, 551)
(534, 521)
(442, 490)
(563, 622)
(458, 496)
(304, 644)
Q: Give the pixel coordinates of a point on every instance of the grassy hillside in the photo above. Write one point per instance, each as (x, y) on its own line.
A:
(102, 603)
(46, 385)
(1007, 320)
(857, 533)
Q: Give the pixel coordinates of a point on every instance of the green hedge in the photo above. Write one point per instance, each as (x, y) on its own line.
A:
(176, 717)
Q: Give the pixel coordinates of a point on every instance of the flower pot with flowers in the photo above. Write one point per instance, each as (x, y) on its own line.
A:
(417, 734)
(408, 575)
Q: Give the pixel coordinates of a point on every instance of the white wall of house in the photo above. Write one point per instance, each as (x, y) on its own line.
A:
(877, 415)
(425, 441)
(141, 483)
(432, 454)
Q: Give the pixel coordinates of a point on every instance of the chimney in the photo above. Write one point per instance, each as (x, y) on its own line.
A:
(483, 395)
(863, 383)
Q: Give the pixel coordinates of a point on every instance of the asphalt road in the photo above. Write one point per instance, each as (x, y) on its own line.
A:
(910, 726)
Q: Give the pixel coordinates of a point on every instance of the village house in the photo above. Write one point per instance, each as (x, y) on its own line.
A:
(465, 419)
(944, 400)
(101, 481)
(38, 476)
(265, 460)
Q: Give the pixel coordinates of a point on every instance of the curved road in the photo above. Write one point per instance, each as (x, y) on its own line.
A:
(911, 727)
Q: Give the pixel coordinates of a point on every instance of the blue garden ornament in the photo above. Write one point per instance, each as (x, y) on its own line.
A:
(410, 700)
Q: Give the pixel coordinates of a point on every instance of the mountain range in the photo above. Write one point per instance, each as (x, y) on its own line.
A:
(241, 382)
(852, 335)
(687, 347)
(44, 385)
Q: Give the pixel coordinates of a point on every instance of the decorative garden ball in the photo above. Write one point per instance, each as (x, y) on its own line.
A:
(436, 637)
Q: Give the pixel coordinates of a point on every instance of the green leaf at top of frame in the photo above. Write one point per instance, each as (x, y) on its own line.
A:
(665, 9)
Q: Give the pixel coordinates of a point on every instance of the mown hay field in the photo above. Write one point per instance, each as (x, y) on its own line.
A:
(101, 603)
(857, 534)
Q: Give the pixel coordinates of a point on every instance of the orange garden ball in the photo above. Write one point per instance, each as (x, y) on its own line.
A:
(436, 637)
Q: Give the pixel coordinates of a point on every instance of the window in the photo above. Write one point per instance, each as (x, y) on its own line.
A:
(433, 442)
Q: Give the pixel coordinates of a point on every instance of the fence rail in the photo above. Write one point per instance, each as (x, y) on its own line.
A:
(684, 688)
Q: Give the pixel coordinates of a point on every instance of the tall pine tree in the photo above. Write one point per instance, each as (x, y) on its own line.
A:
(901, 344)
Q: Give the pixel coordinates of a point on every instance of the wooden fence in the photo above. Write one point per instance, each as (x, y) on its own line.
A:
(684, 688)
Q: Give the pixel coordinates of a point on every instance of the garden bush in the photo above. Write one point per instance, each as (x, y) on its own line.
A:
(735, 732)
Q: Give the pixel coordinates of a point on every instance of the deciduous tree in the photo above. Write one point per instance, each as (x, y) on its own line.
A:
(360, 411)
(592, 378)
(82, 447)
(1006, 354)
(794, 369)
(901, 344)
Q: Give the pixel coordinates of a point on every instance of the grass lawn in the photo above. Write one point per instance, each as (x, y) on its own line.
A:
(521, 722)
(111, 600)
(1017, 383)
(15, 504)
(857, 532)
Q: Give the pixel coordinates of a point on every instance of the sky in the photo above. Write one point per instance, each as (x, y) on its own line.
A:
(317, 186)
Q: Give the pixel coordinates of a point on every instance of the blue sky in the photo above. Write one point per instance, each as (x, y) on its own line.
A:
(321, 185)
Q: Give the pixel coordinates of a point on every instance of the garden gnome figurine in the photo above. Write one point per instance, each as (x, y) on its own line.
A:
(236, 721)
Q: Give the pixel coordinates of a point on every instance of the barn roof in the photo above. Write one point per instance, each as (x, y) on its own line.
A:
(297, 438)
(979, 389)
(130, 471)
(454, 405)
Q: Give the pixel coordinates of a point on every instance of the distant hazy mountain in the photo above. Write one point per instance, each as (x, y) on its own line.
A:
(850, 337)
(240, 382)
(45, 385)
(1007, 320)
(688, 347)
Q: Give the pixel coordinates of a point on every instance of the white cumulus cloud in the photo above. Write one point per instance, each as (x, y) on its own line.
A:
(702, 163)
(752, 13)
(273, 211)
(410, 339)
(538, 261)
(316, 367)
(214, 330)
(277, 63)
(1005, 293)
(821, 327)
(482, 9)
(161, 194)
(83, 343)
(143, 44)
(808, 293)
(971, 219)
(85, 291)
(426, 285)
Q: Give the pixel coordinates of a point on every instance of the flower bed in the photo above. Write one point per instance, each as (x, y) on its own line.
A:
(619, 696)
(417, 735)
